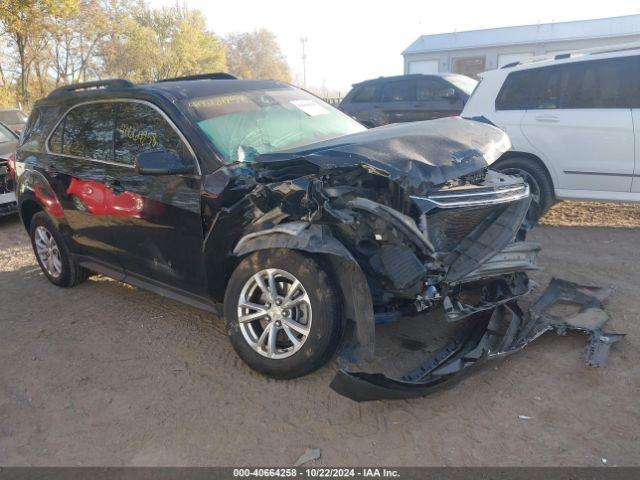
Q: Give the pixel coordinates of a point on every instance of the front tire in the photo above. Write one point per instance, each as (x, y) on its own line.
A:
(283, 313)
(540, 185)
(52, 254)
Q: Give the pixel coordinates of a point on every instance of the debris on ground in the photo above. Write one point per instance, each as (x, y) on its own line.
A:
(309, 455)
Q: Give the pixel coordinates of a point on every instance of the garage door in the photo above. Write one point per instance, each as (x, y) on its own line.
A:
(424, 66)
(507, 58)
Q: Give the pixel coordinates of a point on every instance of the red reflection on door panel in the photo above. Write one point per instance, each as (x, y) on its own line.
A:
(49, 200)
(101, 200)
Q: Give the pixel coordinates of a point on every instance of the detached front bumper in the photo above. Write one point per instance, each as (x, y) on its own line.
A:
(490, 336)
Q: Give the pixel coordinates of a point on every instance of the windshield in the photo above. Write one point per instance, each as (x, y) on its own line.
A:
(466, 84)
(12, 117)
(246, 124)
(6, 135)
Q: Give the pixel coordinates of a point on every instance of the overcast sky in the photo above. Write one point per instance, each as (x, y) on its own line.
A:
(352, 40)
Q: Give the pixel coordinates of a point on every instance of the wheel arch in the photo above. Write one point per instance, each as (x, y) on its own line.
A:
(318, 242)
(534, 158)
(28, 208)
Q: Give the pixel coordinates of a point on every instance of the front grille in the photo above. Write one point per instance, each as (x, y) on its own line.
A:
(448, 227)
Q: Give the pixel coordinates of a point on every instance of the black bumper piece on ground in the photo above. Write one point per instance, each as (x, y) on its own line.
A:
(490, 336)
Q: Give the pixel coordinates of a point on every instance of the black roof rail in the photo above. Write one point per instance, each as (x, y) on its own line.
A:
(562, 56)
(512, 64)
(202, 76)
(114, 83)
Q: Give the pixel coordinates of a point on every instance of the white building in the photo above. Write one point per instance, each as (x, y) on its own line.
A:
(475, 51)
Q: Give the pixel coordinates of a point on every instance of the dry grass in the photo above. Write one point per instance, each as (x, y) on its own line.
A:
(593, 214)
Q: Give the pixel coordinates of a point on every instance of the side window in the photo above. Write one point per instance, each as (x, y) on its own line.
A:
(55, 142)
(428, 90)
(610, 83)
(553, 82)
(365, 94)
(603, 84)
(518, 90)
(399, 91)
(140, 128)
(87, 132)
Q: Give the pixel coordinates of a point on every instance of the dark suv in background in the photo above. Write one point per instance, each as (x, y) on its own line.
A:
(407, 98)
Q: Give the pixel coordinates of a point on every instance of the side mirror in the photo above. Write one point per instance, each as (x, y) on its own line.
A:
(449, 93)
(161, 162)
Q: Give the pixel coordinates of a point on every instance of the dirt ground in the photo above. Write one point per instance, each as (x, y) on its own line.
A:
(107, 374)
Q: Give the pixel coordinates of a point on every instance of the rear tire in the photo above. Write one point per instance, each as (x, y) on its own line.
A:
(292, 324)
(538, 179)
(52, 254)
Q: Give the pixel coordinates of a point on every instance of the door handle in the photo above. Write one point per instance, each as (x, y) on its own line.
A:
(547, 118)
(115, 186)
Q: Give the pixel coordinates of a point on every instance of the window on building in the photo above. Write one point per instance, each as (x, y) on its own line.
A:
(469, 66)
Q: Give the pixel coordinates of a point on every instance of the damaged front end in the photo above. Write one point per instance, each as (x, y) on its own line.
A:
(412, 222)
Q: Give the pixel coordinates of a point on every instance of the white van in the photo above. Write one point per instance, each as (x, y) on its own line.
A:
(571, 122)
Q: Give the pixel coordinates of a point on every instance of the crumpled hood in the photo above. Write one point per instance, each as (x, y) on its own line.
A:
(416, 155)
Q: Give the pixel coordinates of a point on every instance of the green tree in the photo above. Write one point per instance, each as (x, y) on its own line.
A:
(257, 54)
(27, 24)
(165, 43)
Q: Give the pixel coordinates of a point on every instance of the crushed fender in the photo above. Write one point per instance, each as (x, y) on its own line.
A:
(489, 336)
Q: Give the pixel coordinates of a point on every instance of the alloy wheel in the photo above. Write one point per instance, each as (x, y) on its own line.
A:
(48, 251)
(274, 313)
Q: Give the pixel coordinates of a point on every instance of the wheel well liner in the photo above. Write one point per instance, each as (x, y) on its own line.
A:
(28, 208)
(357, 304)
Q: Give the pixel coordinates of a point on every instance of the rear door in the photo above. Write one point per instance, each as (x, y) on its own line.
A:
(434, 99)
(580, 120)
(397, 101)
(80, 169)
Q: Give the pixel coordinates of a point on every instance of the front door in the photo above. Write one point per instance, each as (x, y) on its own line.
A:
(157, 223)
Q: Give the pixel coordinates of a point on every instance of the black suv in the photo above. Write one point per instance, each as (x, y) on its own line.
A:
(408, 98)
(257, 200)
